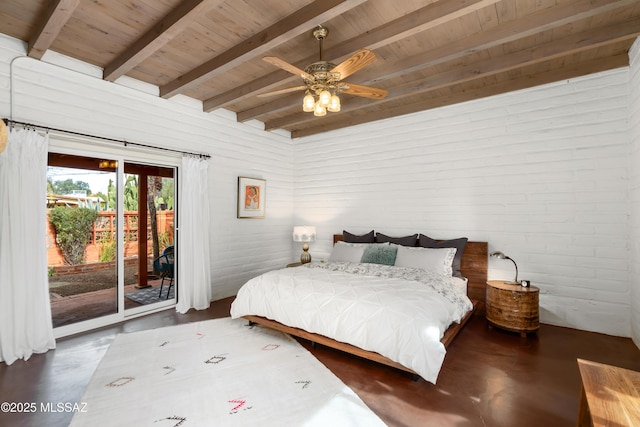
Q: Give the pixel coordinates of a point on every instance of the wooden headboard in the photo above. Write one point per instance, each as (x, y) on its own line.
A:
(474, 266)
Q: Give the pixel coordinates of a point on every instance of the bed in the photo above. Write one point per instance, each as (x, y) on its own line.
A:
(293, 300)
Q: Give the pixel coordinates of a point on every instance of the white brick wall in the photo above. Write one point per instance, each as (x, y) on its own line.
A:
(634, 188)
(71, 100)
(540, 174)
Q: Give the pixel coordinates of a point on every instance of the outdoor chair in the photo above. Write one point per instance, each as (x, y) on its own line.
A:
(164, 265)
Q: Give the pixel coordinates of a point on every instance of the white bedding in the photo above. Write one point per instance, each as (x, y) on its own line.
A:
(398, 312)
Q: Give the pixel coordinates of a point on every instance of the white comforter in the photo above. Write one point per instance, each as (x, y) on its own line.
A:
(398, 312)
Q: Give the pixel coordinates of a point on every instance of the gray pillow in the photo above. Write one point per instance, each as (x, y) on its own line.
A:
(459, 244)
(346, 252)
(380, 254)
(403, 241)
(352, 238)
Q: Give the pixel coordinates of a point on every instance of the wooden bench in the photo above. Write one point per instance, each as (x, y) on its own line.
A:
(610, 395)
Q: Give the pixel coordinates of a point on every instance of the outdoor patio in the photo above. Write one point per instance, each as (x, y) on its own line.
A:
(88, 295)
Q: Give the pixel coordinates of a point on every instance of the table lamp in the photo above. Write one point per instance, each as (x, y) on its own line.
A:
(304, 233)
(500, 255)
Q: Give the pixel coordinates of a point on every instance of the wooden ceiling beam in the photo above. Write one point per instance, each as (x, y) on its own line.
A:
(369, 115)
(430, 16)
(159, 35)
(304, 19)
(545, 19)
(57, 15)
(568, 45)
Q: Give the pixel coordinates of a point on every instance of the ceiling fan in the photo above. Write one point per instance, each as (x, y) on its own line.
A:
(323, 79)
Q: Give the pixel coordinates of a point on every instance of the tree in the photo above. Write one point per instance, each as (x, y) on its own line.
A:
(166, 194)
(68, 186)
(50, 186)
(154, 186)
(110, 197)
(131, 193)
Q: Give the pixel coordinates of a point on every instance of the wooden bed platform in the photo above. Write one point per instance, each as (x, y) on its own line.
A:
(473, 267)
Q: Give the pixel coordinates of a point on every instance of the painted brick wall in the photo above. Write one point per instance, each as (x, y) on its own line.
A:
(73, 100)
(634, 188)
(541, 174)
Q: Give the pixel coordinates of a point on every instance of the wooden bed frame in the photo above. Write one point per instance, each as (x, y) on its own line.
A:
(473, 267)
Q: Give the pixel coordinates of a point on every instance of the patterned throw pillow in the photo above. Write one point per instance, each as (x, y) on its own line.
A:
(380, 254)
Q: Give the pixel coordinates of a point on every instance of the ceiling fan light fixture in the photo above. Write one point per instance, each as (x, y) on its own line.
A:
(308, 103)
(334, 104)
(324, 98)
(323, 79)
(319, 110)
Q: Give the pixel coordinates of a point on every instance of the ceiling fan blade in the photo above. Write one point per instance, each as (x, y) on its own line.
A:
(287, 67)
(365, 91)
(281, 91)
(355, 62)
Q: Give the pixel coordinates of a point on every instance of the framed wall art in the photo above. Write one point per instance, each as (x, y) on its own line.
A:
(252, 196)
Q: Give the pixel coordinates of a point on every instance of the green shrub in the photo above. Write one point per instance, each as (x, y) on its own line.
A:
(73, 231)
(107, 247)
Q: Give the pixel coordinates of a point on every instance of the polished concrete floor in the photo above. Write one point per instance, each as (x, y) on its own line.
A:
(490, 377)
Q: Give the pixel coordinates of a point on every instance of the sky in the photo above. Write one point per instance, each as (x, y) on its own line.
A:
(98, 181)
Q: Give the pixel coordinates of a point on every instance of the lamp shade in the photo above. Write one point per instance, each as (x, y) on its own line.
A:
(500, 255)
(334, 104)
(304, 233)
(308, 103)
(324, 98)
(319, 110)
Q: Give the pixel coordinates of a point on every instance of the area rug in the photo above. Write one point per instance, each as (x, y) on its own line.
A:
(219, 372)
(150, 295)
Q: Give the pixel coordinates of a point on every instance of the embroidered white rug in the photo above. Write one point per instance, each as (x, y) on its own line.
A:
(218, 372)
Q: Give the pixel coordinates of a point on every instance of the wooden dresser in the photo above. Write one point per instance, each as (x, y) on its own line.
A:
(512, 307)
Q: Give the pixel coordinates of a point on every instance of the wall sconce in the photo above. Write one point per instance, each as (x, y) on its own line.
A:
(500, 255)
(304, 233)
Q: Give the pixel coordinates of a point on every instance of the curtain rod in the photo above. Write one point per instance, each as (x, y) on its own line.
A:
(10, 122)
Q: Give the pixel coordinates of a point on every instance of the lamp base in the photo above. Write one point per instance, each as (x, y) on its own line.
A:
(306, 256)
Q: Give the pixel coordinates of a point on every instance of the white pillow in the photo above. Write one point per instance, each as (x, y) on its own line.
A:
(438, 260)
(349, 252)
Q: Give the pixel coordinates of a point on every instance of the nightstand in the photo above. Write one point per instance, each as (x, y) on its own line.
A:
(294, 264)
(512, 307)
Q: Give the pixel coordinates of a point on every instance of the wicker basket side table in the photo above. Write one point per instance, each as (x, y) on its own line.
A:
(512, 307)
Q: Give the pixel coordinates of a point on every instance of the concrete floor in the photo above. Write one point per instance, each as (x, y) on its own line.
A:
(490, 377)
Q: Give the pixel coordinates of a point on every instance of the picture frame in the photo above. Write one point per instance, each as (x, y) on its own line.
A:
(252, 197)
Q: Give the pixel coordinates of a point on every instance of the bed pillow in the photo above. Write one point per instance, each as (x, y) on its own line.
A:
(347, 252)
(438, 260)
(403, 241)
(380, 254)
(352, 238)
(459, 244)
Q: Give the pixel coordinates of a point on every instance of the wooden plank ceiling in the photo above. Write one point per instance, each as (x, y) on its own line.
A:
(429, 53)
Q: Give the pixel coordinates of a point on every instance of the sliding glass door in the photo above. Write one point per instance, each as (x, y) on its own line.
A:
(111, 239)
(81, 238)
(149, 221)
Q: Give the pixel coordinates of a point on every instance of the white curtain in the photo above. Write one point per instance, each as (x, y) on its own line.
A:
(194, 274)
(25, 313)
